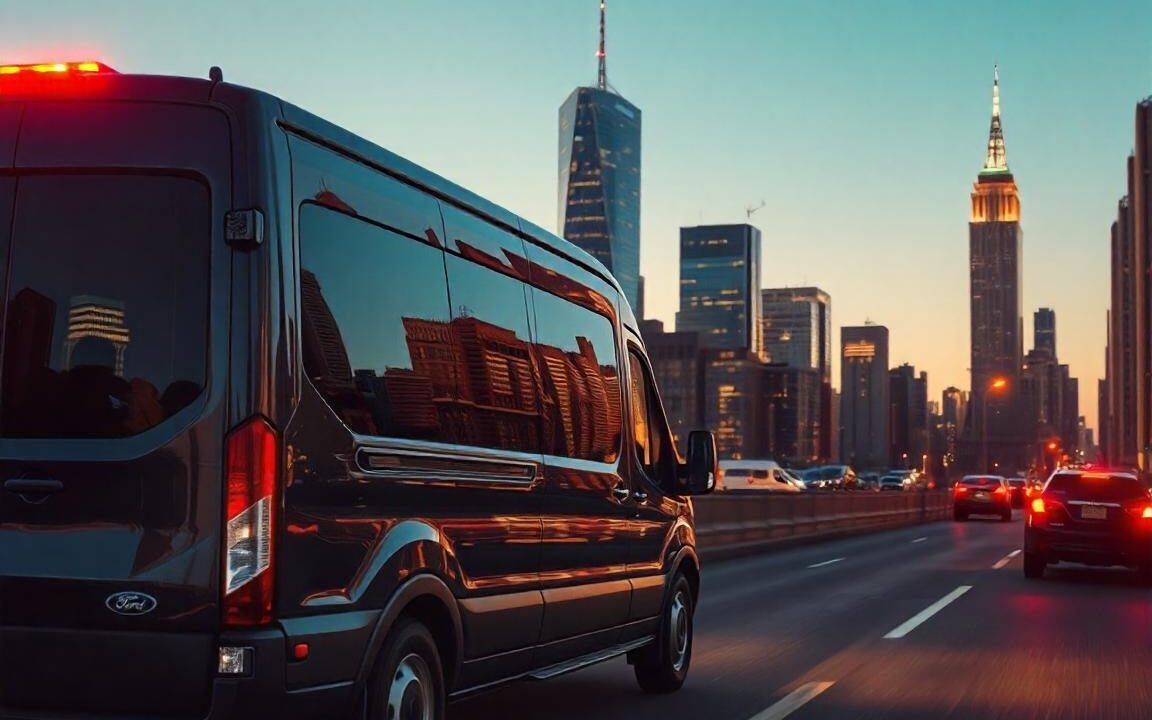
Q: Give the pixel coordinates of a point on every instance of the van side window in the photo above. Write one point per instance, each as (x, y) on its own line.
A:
(575, 352)
(649, 430)
(498, 404)
(377, 341)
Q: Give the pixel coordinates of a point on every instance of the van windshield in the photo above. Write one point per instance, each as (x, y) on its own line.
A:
(105, 317)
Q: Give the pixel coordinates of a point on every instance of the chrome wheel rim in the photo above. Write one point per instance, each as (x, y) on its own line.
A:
(679, 630)
(410, 693)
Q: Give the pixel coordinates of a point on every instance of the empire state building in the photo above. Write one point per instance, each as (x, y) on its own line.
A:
(995, 266)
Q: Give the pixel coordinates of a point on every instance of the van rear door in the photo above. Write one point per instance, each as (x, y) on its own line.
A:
(113, 284)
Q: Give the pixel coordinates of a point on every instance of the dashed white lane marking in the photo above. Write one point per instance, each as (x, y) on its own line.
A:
(920, 539)
(826, 562)
(1005, 560)
(916, 620)
(793, 701)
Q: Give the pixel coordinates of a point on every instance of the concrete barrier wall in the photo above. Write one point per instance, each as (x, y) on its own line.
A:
(734, 523)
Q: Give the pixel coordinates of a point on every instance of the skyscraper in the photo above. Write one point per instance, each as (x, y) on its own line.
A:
(678, 366)
(908, 395)
(995, 262)
(864, 399)
(720, 286)
(1044, 330)
(599, 196)
(797, 331)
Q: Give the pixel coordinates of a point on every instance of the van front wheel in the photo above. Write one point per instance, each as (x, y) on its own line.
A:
(408, 681)
(662, 666)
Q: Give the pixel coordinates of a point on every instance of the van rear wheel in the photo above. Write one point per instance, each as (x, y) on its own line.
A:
(662, 666)
(408, 681)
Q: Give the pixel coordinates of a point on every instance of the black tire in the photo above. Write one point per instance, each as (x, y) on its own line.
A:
(958, 516)
(662, 666)
(1034, 566)
(408, 675)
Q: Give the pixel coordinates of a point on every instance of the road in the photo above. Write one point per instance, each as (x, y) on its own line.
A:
(806, 628)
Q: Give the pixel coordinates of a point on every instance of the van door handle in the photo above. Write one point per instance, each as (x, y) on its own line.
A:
(32, 486)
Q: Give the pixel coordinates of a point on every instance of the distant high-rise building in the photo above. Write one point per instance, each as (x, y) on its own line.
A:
(1044, 330)
(797, 332)
(599, 194)
(954, 407)
(734, 403)
(864, 400)
(720, 286)
(908, 396)
(996, 264)
(678, 367)
(793, 397)
(1122, 447)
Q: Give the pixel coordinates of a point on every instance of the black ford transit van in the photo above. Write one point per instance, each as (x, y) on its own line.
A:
(292, 427)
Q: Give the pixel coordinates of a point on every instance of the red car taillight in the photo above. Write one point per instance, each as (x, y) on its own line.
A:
(1038, 505)
(252, 451)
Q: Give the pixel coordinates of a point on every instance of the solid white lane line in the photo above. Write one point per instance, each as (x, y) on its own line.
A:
(1005, 560)
(919, 539)
(826, 562)
(916, 620)
(793, 701)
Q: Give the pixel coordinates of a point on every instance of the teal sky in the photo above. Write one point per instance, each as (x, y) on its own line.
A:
(861, 124)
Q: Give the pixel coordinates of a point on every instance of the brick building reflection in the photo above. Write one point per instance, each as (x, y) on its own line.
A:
(470, 382)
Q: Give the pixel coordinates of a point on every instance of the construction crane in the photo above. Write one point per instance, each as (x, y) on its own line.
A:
(751, 209)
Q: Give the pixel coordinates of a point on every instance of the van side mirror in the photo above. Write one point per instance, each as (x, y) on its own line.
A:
(698, 475)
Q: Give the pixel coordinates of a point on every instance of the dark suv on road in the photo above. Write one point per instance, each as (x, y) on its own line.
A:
(291, 427)
(1095, 518)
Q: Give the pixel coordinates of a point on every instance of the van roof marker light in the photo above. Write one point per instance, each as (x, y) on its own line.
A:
(87, 67)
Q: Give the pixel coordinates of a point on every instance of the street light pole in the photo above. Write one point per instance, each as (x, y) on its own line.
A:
(995, 384)
(984, 434)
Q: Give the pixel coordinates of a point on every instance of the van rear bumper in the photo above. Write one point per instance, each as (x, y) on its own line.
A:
(277, 686)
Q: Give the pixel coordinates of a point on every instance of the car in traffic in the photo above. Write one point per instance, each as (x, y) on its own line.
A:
(868, 481)
(813, 479)
(981, 495)
(765, 475)
(293, 427)
(1018, 490)
(1096, 517)
(893, 482)
(838, 477)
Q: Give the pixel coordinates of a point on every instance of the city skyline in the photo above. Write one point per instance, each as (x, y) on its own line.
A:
(1068, 130)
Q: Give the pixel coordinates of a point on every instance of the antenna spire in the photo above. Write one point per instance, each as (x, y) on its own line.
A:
(601, 55)
(997, 159)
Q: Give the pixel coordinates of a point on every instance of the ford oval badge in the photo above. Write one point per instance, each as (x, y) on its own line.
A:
(131, 603)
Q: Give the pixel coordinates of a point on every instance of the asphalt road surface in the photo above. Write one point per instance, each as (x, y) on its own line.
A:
(846, 629)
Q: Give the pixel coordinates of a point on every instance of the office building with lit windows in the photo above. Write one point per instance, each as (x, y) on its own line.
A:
(720, 286)
(797, 330)
(865, 428)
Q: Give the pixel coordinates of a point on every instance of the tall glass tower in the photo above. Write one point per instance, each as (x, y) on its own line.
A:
(599, 192)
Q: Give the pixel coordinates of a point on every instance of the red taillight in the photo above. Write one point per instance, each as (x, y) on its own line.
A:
(1038, 505)
(960, 489)
(999, 491)
(252, 451)
(59, 68)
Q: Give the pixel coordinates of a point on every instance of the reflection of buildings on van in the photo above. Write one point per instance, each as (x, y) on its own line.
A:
(473, 382)
(95, 323)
